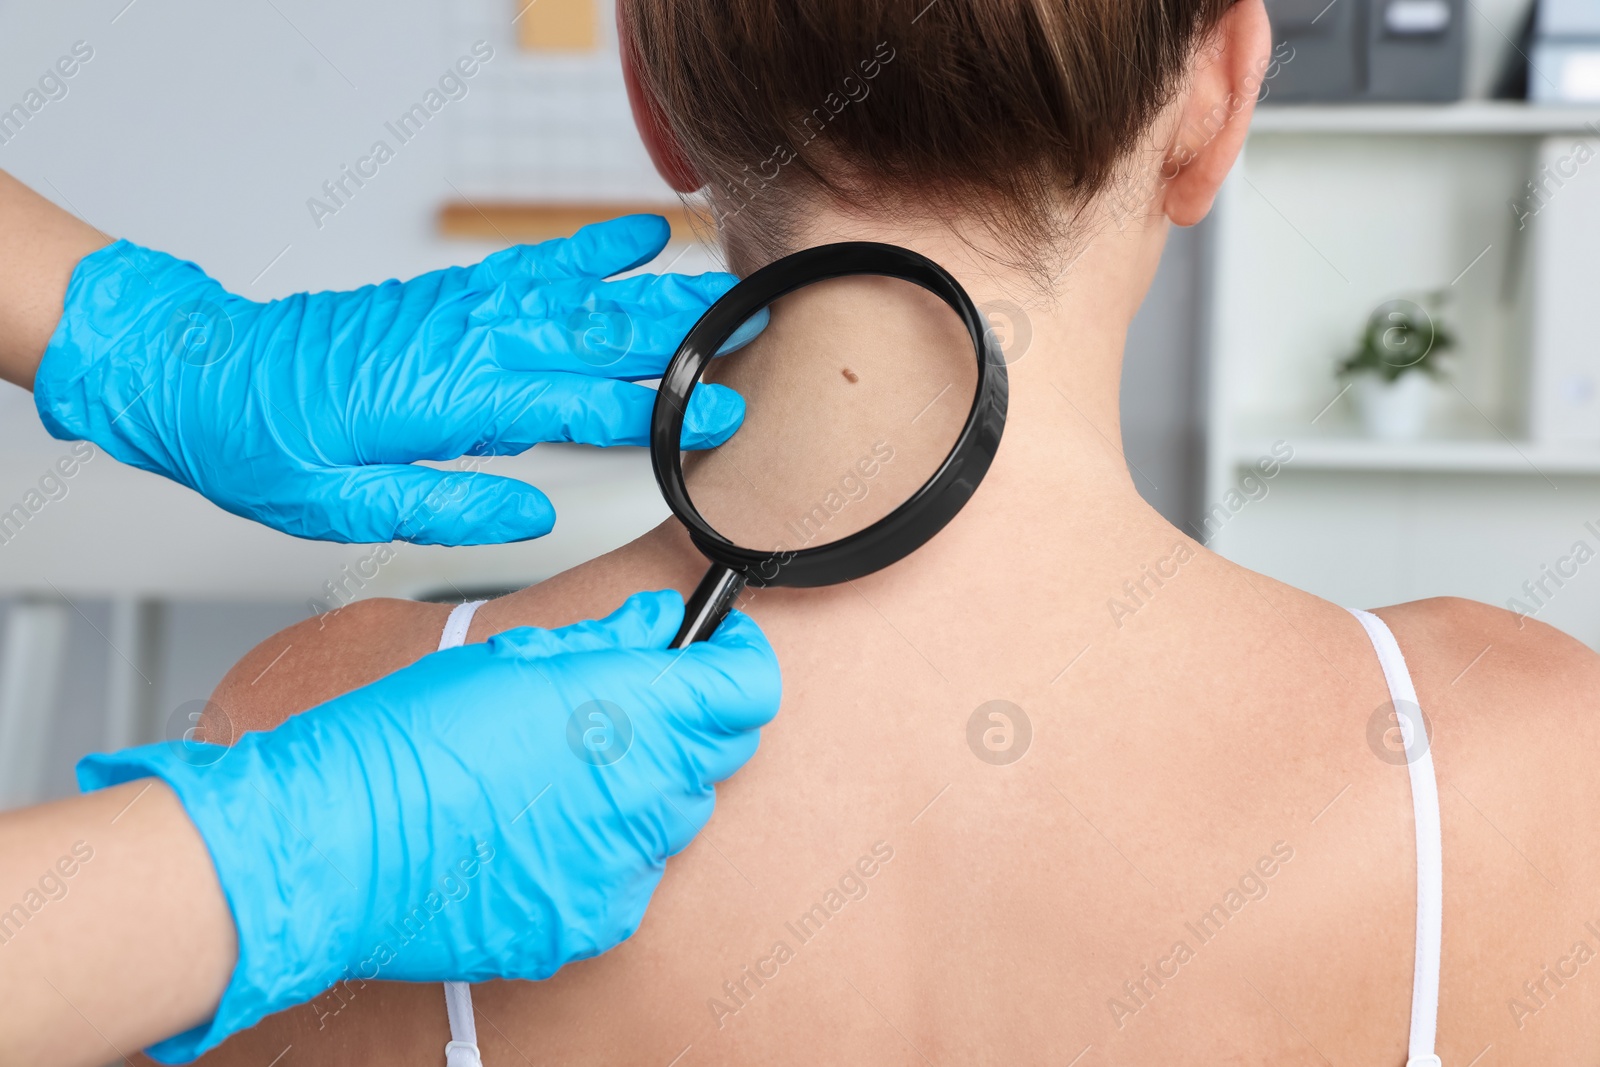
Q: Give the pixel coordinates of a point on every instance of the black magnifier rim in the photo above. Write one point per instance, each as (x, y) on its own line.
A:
(913, 523)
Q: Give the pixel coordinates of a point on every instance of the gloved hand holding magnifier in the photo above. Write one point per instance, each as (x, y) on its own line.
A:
(814, 512)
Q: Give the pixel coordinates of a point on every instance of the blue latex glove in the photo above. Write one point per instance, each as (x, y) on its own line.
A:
(492, 811)
(306, 413)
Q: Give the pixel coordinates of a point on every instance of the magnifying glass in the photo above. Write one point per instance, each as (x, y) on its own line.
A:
(825, 542)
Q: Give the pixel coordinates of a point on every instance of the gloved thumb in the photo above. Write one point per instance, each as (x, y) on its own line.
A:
(399, 502)
(722, 692)
(735, 675)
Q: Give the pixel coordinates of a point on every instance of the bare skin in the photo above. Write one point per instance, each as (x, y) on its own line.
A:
(114, 932)
(81, 982)
(1214, 745)
(39, 246)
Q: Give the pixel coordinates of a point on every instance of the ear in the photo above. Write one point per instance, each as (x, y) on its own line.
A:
(1230, 69)
(649, 119)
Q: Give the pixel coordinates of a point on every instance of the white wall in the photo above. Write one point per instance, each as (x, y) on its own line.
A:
(202, 128)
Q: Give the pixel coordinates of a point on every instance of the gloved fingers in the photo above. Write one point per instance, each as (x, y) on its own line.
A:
(748, 331)
(598, 250)
(627, 329)
(518, 266)
(727, 685)
(722, 759)
(685, 815)
(646, 317)
(399, 502)
(644, 621)
(530, 409)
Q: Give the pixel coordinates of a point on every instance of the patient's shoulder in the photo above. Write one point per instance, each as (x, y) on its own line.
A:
(331, 654)
(318, 659)
(1510, 706)
(1463, 652)
(661, 559)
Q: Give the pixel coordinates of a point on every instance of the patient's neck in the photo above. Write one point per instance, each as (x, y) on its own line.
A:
(859, 386)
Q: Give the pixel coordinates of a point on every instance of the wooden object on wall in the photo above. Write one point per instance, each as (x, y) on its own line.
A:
(530, 222)
(558, 25)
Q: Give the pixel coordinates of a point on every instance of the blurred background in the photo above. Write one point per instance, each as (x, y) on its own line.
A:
(1372, 373)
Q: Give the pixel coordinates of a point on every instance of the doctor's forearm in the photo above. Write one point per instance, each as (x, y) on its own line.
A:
(114, 933)
(40, 244)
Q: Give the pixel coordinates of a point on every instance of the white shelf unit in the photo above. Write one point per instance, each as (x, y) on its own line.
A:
(1471, 117)
(1461, 456)
(1332, 211)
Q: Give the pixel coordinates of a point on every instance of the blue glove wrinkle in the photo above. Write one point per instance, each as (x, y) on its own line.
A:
(75, 391)
(509, 266)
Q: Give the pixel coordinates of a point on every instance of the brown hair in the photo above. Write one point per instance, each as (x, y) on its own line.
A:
(1010, 108)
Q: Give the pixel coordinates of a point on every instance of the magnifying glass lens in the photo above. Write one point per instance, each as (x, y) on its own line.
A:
(855, 394)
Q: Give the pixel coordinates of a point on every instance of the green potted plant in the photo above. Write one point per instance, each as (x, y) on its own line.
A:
(1395, 368)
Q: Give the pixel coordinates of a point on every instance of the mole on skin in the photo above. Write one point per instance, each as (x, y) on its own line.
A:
(850, 376)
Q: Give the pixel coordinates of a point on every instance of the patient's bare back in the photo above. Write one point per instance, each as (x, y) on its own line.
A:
(1026, 827)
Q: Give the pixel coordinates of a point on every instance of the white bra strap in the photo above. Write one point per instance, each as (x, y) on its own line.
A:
(456, 626)
(462, 1051)
(1430, 848)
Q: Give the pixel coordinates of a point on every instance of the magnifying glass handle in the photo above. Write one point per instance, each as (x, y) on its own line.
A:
(708, 605)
